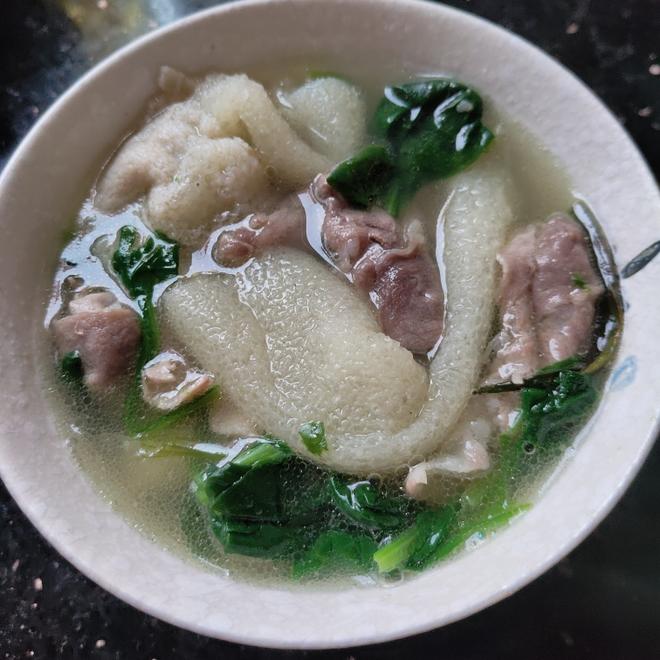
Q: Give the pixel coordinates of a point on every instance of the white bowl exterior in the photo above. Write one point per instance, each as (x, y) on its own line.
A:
(41, 188)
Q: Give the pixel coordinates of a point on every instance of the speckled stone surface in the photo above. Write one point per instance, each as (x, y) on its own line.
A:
(602, 601)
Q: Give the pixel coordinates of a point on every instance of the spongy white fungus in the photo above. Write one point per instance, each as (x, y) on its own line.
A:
(218, 150)
(290, 342)
(330, 114)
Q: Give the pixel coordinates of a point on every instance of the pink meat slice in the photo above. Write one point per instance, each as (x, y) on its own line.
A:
(547, 299)
(564, 291)
(404, 286)
(105, 333)
(284, 226)
(349, 233)
(516, 345)
(395, 270)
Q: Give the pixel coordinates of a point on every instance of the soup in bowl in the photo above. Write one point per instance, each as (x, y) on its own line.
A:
(334, 323)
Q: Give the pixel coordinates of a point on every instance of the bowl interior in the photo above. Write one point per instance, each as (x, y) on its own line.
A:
(42, 187)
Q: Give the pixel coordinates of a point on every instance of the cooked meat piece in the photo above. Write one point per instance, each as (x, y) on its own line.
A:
(348, 233)
(397, 271)
(464, 453)
(516, 346)
(168, 383)
(404, 286)
(105, 334)
(93, 302)
(416, 480)
(284, 226)
(548, 295)
(565, 290)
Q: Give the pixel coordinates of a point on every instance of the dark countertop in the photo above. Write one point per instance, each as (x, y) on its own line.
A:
(603, 601)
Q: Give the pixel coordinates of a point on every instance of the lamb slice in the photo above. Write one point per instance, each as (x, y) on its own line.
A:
(103, 332)
(564, 290)
(348, 233)
(397, 271)
(547, 299)
(516, 349)
(404, 286)
(464, 455)
(285, 226)
(168, 382)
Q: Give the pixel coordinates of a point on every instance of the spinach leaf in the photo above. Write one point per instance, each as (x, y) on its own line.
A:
(547, 418)
(365, 178)
(549, 414)
(433, 528)
(438, 533)
(336, 549)
(211, 483)
(313, 437)
(433, 130)
(574, 363)
(184, 411)
(142, 265)
(417, 546)
(395, 552)
(268, 502)
(367, 506)
(254, 503)
(480, 525)
(265, 540)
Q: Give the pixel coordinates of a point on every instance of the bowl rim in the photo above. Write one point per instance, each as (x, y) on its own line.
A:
(68, 550)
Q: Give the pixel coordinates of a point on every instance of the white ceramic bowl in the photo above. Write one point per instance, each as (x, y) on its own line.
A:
(42, 186)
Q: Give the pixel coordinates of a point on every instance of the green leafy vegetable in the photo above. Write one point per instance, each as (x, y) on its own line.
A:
(395, 552)
(313, 437)
(363, 503)
(184, 411)
(336, 549)
(432, 130)
(364, 179)
(263, 540)
(436, 534)
(261, 453)
(142, 265)
(267, 502)
(251, 502)
(575, 363)
(548, 416)
(546, 420)
(432, 529)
